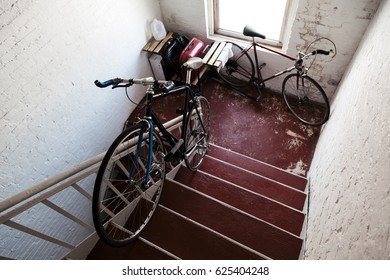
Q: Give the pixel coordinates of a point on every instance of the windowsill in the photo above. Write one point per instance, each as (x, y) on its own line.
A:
(242, 42)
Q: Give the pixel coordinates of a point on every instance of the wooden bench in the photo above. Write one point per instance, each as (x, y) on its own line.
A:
(213, 53)
(209, 60)
(155, 46)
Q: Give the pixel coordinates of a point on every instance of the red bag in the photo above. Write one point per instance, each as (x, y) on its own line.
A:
(194, 49)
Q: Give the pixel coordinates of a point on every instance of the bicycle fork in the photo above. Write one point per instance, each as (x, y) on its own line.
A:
(300, 86)
(138, 151)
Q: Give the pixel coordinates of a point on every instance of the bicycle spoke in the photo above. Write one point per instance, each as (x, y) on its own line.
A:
(239, 69)
(197, 134)
(123, 202)
(305, 99)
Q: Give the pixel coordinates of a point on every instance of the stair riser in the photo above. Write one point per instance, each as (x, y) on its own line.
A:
(189, 241)
(258, 167)
(249, 231)
(285, 195)
(249, 202)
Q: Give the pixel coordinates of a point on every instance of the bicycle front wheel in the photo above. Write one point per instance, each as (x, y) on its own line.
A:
(306, 99)
(197, 133)
(128, 185)
(239, 70)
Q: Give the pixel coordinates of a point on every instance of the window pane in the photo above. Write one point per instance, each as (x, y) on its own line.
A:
(265, 16)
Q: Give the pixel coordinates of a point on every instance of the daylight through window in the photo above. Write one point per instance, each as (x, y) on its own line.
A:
(267, 17)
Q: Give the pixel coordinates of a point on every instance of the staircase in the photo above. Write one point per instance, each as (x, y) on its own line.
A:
(234, 207)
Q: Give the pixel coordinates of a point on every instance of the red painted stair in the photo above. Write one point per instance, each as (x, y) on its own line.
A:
(234, 207)
(250, 202)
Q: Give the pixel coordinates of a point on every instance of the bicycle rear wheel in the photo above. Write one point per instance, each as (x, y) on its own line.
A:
(128, 185)
(239, 70)
(306, 99)
(197, 133)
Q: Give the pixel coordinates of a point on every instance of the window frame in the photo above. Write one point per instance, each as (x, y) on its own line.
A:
(214, 30)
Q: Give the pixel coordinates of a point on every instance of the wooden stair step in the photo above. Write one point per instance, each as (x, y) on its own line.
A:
(241, 227)
(189, 241)
(265, 209)
(258, 167)
(238, 176)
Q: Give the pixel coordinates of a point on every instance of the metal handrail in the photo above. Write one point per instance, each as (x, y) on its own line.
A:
(40, 193)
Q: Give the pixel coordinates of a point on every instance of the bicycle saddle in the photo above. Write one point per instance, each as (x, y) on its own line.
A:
(250, 31)
(193, 63)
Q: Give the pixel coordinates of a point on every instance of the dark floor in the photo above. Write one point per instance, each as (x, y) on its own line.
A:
(264, 129)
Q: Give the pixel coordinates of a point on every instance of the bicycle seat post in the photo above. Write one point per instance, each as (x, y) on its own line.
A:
(193, 63)
(188, 76)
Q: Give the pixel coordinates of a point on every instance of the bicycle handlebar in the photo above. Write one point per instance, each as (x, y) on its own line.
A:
(118, 82)
(108, 83)
(319, 51)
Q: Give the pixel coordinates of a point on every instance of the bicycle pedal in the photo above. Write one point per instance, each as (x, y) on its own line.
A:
(169, 156)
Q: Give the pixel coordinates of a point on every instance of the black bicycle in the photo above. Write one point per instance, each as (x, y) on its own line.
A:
(305, 98)
(131, 176)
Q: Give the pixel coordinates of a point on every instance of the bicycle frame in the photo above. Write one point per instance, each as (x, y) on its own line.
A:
(152, 119)
(130, 178)
(168, 136)
(258, 68)
(174, 142)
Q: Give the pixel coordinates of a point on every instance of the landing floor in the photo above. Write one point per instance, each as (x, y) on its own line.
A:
(264, 129)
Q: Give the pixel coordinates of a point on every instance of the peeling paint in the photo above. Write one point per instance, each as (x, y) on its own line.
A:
(337, 20)
(298, 168)
(295, 135)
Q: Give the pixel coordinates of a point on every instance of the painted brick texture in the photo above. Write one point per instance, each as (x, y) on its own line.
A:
(349, 213)
(342, 21)
(52, 117)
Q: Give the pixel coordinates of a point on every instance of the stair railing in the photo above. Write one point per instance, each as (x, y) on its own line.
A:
(22, 237)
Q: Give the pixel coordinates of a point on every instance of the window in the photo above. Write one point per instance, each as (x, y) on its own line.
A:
(267, 17)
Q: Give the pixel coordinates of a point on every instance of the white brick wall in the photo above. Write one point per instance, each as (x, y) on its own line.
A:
(349, 213)
(343, 21)
(185, 17)
(51, 115)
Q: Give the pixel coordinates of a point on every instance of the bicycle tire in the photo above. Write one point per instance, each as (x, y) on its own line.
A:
(197, 133)
(239, 70)
(306, 99)
(123, 201)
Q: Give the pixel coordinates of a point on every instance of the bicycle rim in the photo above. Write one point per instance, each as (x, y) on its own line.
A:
(197, 133)
(238, 71)
(123, 201)
(306, 99)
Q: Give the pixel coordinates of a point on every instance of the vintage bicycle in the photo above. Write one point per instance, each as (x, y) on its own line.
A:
(304, 97)
(131, 176)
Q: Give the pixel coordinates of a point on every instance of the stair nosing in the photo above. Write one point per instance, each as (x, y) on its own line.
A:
(234, 208)
(258, 175)
(214, 232)
(259, 161)
(146, 241)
